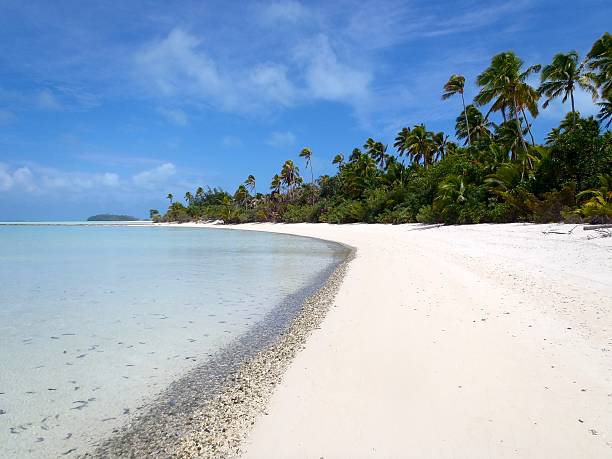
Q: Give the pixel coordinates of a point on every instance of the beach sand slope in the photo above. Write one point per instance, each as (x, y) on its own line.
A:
(484, 341)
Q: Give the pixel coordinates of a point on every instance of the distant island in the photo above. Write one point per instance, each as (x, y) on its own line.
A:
(111, 218)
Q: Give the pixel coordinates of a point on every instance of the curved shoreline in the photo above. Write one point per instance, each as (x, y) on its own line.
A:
(209, 411)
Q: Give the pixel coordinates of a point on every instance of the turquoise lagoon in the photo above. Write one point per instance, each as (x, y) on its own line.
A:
(96, 320)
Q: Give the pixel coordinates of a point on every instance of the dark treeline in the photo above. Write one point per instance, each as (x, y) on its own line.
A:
(497, 174)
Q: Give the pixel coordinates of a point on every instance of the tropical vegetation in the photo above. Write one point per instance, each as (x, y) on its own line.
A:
(494, 172)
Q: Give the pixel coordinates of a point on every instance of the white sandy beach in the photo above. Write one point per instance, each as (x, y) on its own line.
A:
(465, 342)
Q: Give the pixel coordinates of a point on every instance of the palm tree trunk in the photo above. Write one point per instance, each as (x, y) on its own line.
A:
(519, 125)
(528, 127)
(467, 125)
(573, 109)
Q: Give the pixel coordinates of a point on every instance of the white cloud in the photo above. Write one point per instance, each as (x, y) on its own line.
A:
(281, 139)
(154, 177)
(283, 12)
(327, 77)
(24, 177)
(110, 179)
(39, 179)
(178, 65)
(271, 83)
(47, 100)
(6, 179)
(176, 116)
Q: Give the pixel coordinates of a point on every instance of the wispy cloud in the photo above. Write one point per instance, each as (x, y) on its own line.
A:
(47, 100)
(175, 116)
(283, 12)
(282, 139)
(155, 177)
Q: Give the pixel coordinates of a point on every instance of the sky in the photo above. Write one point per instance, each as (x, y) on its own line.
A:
(109, 106)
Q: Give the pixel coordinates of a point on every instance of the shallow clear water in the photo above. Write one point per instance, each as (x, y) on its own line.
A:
(96, 320)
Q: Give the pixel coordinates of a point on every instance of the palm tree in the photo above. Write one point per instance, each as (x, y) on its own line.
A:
(290, 176)
(377, 150)
(478, 128)
(456, 85)
(199, 194)
(250, 183)
(188, 198)
(420, 146)
(440, 141)
(306, 153)
(339, 160)
(400, 141)
(606, 112)
(600, 61)
(241, 194)
(170, 197)
(503, 84)
(561, 77)
(276, 184)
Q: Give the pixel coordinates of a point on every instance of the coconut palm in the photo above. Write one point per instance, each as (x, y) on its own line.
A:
(290, 176)
(377, 150)
(170, 197)
(475, 126)
(306, 153)
(420, 146)
(599, 60)
(605, 113)
(241, 195)
(503, 84)
(355, 155)
(400, 141)
(456, 85)
(276, 184)
(188, 198)
(250, 183)
(339, 160)
(561, 78)
(440, 141)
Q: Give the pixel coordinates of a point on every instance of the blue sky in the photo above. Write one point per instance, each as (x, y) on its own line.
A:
(108, 106)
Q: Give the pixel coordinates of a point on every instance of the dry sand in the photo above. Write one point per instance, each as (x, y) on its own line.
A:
(466, 342)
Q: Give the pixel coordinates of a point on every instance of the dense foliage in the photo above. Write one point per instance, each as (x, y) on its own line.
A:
(498, 174)
(111, 218)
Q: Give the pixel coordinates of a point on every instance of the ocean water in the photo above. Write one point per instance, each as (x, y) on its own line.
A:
(96, 320)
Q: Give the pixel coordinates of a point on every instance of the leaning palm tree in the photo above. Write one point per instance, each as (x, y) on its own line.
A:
(456, 85)
(306, 153)
(561, 78)
(377, 150)
(276, 184)
(339, 160)
(599, 60)
(250, 183)
(170, 197)
(504, 85)
(606, 112)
